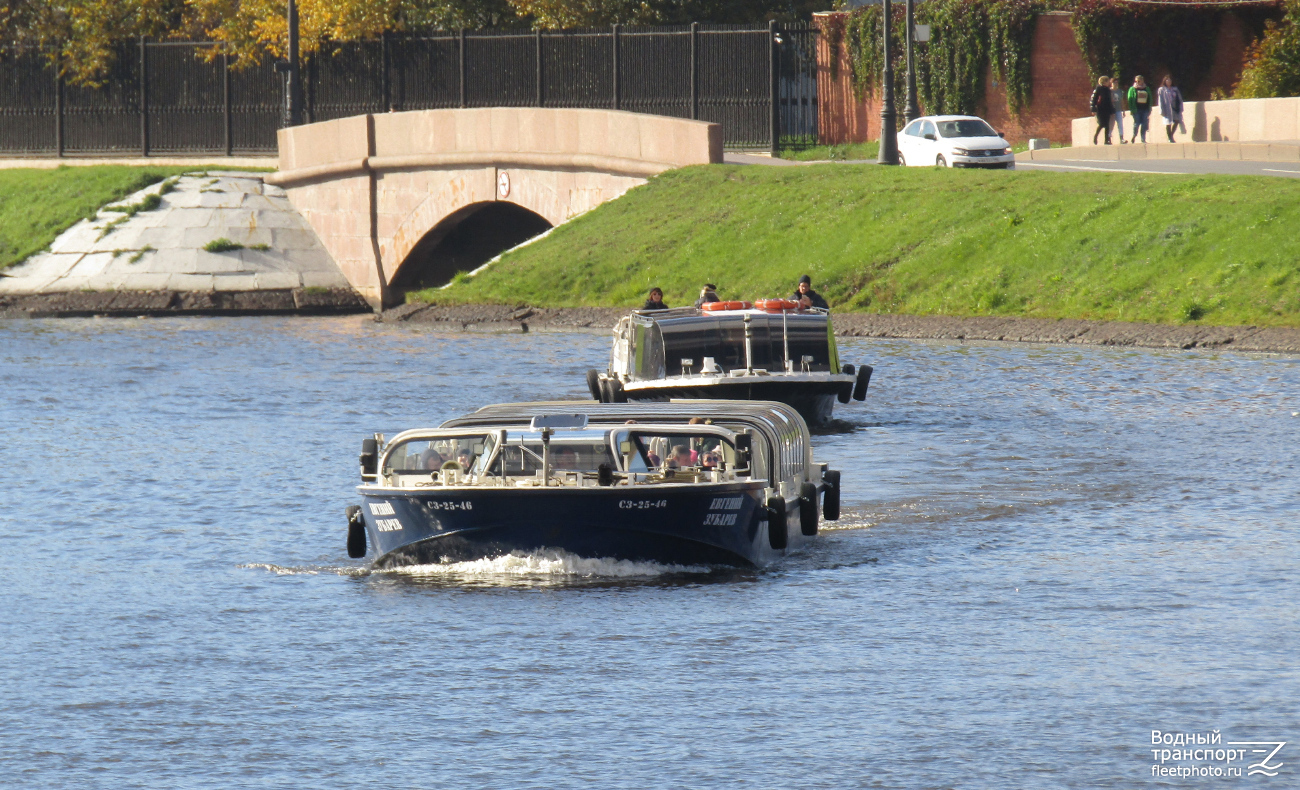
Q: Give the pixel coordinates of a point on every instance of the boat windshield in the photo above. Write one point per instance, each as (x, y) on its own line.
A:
(466, 452)
(574, 451)
(655, 451)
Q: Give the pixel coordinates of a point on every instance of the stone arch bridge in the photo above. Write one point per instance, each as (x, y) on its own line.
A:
(404, 200)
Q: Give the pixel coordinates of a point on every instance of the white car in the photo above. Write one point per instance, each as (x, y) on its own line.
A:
(953, 141)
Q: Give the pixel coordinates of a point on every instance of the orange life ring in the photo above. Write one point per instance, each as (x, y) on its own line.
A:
(715, 306)
(776, 305)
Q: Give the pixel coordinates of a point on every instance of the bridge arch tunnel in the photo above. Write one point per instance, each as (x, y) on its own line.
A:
(465, 240)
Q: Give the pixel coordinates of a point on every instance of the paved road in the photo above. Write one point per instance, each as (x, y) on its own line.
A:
(1282, 169)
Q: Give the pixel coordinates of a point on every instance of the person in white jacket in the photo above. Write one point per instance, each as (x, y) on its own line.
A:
(1170, 100)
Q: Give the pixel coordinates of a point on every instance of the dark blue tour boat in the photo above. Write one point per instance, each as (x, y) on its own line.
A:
(686, 482)
(769, 350)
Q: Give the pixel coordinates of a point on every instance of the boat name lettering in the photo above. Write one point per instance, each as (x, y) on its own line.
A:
(726, 503)
(462, 505)
(720, 519)
(381, 509)
(388, 525)
(641, 504)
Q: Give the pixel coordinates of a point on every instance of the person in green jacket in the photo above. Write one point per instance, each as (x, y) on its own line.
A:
(1139, 106)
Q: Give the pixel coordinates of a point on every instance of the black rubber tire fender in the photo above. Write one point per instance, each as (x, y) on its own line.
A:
(616, 392)
(864, 381)
(356, 532)
(776, 523)
(808, 508)
(831, 495)
(593, 385)
(846, 391)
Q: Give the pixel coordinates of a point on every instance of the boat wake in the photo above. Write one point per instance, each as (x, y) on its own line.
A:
(544, 565)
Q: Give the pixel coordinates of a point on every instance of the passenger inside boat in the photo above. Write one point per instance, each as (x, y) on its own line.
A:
(421, 457)
(655, 452)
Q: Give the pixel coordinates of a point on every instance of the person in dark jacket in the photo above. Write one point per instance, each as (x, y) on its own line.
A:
(656, 300)
(807, 297)
(1102, 108)
(709, 293)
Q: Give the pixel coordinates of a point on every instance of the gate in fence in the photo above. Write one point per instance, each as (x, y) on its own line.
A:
(759, 83)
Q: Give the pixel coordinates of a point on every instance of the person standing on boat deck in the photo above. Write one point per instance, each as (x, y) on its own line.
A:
(1170, 100)
(681, 456)
(807, 297)
(709, 293)
(656, 300)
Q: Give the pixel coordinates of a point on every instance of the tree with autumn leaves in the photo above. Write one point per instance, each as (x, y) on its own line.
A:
(82, 36)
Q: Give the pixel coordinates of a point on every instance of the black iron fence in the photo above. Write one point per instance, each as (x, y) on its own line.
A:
(759, 83)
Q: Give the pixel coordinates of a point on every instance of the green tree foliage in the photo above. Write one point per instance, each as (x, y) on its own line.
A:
(1273, 63)
(83, 36)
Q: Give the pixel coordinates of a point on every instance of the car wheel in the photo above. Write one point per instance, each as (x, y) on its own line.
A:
(939, 161)
(901, 161)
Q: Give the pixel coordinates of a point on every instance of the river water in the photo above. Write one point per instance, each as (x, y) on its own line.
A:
(1046, 553)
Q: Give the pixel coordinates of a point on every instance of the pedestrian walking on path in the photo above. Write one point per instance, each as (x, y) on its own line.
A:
(1171, 107)
(1117, 102)
(1139, 107)
(1101, 106)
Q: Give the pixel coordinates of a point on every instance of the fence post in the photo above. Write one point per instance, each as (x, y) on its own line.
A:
(540, 96)
(229, 136)
(385, 83)
(774, 69)
(618, 89)
(695, 71)
(144, 100)
(58, 110)
(462, 68)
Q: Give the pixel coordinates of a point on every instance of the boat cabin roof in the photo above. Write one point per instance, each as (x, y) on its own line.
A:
(780, 425)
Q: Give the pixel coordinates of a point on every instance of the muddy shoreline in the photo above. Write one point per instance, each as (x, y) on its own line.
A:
(85, 304)
(504, 318)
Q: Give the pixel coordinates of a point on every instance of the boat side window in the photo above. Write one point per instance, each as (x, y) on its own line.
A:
(655, 451)
(419, 457)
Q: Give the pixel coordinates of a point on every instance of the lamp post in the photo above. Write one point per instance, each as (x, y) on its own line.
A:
(292, 75)
(888, 134)
(911, 111)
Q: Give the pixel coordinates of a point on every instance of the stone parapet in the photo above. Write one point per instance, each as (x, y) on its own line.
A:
(1239, 152)
(374, 187)
(1224, 121)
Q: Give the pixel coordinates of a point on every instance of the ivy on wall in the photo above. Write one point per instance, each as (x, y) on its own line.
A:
(970, 37)
(1124, 39)
(967, 38)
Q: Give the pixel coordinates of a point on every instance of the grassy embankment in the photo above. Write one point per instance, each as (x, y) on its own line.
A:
(924, 241)
(37, 205)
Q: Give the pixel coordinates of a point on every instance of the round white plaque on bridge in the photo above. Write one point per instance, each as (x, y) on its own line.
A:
(503, 185)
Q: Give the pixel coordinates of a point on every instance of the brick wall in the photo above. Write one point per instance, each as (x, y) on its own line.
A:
(1061, 84)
